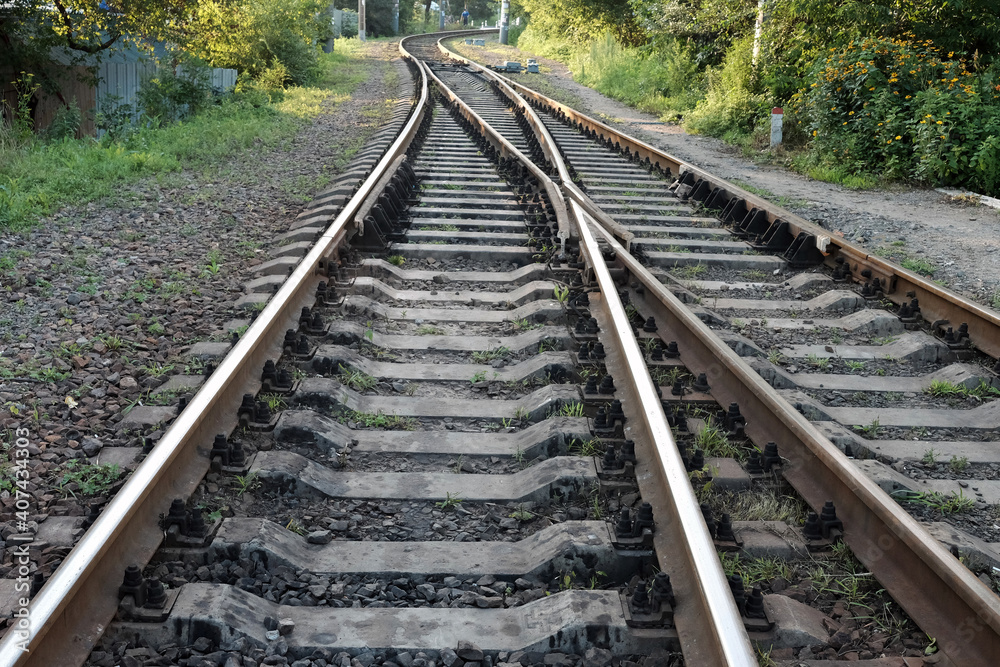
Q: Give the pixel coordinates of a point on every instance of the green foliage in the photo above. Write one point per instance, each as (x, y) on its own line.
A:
(378, 16)
(665, 81)
(84, 27)
(579, 21)
(88, 480)
(176, 92)
(731, 104)
(254, 37)
(892, 91)
(450, 502)
(65, 124)
(36, 177)
(905, 109)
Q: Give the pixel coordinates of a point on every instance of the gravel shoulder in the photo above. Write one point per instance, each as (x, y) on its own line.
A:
(960, 238)
(104, 301)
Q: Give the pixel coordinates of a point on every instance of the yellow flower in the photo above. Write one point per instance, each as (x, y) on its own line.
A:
(814, 133)
(942, 136)
(898, 137)
(940, 122)
(851, 113)
(889, 142)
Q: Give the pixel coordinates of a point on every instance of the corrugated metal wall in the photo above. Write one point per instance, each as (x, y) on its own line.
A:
(118, 83)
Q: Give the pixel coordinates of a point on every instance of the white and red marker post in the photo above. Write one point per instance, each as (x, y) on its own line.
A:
(777, 118)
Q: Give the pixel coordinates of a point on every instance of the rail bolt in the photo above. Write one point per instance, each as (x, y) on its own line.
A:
(176, 516)
(156, 594)
(610, 461)
(627, 453)
(662, 591)
(725, 532)
(739, 592)
(754, 607)
(644, 518)
(697, 461)
(813, 528)
(133, 584)
(639, 602)
(220, 449)
(624, 526)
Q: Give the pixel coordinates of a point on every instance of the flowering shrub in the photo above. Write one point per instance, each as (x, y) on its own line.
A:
(905, 109)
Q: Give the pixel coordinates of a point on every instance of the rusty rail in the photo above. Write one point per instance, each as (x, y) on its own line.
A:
(938, 592)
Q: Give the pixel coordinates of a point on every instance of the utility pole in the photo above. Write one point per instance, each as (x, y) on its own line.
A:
(361, 20)
(504, 20)
(441, 6)
(395, 17)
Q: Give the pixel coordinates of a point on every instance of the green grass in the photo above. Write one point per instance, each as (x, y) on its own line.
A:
(357, 380)
(89, 480)
(944, 389)
(950, 503)
(380, 420)
(807, 163)
(38, 177)
(486, 356)
(713, 441)
(921, 266)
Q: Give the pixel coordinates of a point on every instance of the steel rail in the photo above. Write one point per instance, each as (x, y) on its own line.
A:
(938, 305)
(75, 605)
(938, 592)
(507, 149)
(549, 147)
(708, 621)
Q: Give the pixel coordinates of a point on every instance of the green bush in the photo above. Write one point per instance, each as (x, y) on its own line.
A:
(176, 93)
(273, 81)
(731, 106)
(65, 123)
(252, 36)
(905, 110)
(663, 81)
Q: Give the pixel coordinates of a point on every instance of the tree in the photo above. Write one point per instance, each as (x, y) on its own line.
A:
(91, 26)
(379, 13)
(35, 35)
(254, 36)
(584, 20)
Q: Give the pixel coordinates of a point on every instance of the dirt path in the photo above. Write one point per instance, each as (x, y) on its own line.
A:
(961, 240)
(100, 303)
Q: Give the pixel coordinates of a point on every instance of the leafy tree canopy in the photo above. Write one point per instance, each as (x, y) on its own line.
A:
(90, 26)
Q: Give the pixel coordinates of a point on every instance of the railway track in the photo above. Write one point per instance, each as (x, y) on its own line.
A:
(502, 409)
